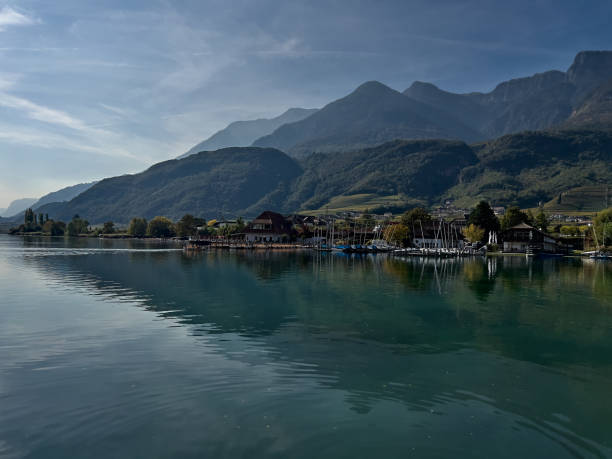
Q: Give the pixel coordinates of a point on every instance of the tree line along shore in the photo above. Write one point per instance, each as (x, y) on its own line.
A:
(398, 230)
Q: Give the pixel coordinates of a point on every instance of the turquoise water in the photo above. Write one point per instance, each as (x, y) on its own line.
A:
(127, 349)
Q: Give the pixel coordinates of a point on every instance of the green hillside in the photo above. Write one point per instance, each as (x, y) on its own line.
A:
(591, 198)
(533, 167)
(228, 181)
(417, 170)
(524, 169)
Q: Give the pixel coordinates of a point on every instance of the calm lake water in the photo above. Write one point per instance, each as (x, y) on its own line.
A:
(127, 349)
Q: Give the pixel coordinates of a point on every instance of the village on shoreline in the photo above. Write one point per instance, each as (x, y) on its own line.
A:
(482, 230)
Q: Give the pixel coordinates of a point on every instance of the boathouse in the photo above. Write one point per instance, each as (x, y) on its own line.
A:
(268, 227)
(521, 237)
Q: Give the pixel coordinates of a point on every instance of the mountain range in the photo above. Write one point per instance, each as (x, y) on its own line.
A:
(530, 140)
(375, 113)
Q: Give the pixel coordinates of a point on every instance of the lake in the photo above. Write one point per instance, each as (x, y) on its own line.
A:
(134, 349)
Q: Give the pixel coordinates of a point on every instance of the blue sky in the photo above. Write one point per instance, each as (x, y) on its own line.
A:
(90, 89)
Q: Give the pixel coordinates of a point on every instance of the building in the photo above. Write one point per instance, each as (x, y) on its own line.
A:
(218, 224)
(269, 227)
(523, 236)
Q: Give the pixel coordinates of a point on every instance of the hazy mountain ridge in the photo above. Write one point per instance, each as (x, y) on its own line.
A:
(62, 195)
(370, 115)
(17, 206)
(244, 133)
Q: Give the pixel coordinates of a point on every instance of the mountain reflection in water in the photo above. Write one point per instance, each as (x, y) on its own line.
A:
(333, 355)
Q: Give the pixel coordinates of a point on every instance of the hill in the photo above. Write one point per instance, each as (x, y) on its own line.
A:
(369, 116)
(230, 181)
(524, 169)
(244, 133)
(532, 167)
(399, 171)
(590, 198)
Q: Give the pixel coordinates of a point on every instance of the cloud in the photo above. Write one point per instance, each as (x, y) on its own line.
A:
(41, 113)
(10, 17)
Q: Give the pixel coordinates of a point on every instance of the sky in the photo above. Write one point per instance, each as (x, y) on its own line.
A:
(92, 89)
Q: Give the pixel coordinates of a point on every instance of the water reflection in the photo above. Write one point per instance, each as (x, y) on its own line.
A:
(462, 345)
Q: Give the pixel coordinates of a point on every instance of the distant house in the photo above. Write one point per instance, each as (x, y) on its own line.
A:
(523, 236)
(437, 235)
(268, 227)
(218, 224)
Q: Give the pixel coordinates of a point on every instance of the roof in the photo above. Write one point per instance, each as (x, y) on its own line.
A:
(277, 222)
(523, 225)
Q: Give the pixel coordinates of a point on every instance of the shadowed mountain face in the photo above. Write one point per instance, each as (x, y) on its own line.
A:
(538, 102)
(589, 70)
(596, 110)
(369, 116)
(244, 133)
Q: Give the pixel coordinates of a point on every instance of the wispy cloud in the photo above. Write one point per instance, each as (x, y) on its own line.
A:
(10, 17)
(41, 113)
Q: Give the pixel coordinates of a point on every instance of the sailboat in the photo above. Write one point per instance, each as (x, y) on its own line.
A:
(600, 254)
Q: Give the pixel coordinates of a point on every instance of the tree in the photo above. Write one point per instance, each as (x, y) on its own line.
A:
(138, 227)
(398, 234)
(77, 226)
(603, 226)
(46, 217)
(484, 217)
(568, 230)
(540, 220)
(161, 227)
(41, 219)
(188, 225)
(108, 228)
(54, 228)
(28, 216)
(414, 215)
(473, 233)
(240, 225)
(513, 217)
